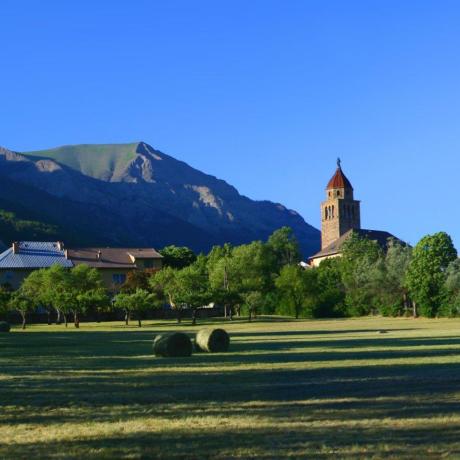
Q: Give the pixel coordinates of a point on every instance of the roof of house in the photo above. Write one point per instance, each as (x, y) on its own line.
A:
(381, 237)
(339, 180)
(111, 257)
(34, 254)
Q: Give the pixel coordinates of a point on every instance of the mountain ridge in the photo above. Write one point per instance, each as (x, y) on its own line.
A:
(152, 195)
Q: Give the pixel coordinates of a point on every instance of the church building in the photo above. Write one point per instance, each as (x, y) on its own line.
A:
(341, 218)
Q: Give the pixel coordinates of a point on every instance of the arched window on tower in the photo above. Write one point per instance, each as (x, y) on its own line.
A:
(338, 192)
(325, 213)
(332, 211)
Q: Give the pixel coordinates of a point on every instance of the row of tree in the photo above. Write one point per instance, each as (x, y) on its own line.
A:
(264, 278)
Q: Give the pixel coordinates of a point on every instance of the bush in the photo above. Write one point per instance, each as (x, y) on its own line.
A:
(176, 344)
(212, 340)
(4, 326)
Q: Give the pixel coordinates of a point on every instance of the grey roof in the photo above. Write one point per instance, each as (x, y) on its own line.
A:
(34, 254)
(381, 237)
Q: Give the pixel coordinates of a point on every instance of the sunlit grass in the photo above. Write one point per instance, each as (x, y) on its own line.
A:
(359, 388)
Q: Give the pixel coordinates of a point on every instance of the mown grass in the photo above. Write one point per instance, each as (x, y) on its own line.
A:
(287, 389)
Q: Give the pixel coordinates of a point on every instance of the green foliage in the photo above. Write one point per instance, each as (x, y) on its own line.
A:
(193, 286)
(426, 274)
(14, 228)
(297, 291)
(285, 247)
(330, 300)
(139, 301)
(4, 326)
(177, 256)
(358, 257)
(137, 279)
(253, 302)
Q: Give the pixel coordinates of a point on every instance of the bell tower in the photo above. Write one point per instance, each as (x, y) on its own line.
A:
(340, 212)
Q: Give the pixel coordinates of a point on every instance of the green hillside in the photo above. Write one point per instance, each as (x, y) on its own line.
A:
(100, 161)
(14, 228)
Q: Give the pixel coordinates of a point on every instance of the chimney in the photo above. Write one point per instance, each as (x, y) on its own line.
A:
(60, 245)
(99, 255)
(16, 247)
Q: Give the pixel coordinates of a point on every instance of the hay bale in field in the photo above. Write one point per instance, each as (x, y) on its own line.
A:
(175, 344)
(212, 340)
(4, 326)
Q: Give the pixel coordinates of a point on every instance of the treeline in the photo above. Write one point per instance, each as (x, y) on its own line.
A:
(263, 278)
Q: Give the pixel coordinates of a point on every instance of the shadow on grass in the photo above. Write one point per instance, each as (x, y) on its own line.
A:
(112, 375)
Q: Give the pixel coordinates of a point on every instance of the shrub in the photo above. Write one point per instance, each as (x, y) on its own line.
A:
(4, 326)
(176, 344)
(212, 340)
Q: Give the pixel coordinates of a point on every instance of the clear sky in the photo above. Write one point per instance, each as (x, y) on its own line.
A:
(262, 93)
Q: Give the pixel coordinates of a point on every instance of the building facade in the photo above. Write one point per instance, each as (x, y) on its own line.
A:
(113, 264)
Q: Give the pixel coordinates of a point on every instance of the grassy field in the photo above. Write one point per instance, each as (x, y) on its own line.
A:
(287, 389)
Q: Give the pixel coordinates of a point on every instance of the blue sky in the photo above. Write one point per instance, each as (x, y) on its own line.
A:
(264, 94)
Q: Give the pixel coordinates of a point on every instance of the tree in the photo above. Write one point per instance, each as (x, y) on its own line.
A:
(56, 290)
(387, 279)
(137, 279)
(426, 274)
(34, 288)
(254, 301)
(165, 285)
(223, 278)
(139, 301)
(298, 290)
(285, 247)
(451, 306)
(22, 304)
(330, 301)
(193, 286)
(177, 256)
(358, 258)
(84, 290)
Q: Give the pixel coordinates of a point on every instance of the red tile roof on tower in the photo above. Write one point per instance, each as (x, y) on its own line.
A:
(339, 180)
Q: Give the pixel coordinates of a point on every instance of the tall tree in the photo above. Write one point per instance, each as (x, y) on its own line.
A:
(298, 290)
(177, 256)
(426, 274)
(285, 247)
(358, 257)
(193, 286)
(165, 285)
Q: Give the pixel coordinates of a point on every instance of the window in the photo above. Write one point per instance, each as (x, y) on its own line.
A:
(118, 278)
(148, 263)
(338, 192)
(325, 213)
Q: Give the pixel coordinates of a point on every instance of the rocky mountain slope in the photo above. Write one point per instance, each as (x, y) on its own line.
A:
(132, 194)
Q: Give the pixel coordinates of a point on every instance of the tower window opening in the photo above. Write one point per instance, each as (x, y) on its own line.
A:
(325, 213)
(332, 211)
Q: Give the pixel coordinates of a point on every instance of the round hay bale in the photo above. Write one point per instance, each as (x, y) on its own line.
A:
(173, 345)
(4, 326)
(212, 340)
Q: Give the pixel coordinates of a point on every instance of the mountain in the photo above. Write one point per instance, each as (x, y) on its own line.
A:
(132, 194)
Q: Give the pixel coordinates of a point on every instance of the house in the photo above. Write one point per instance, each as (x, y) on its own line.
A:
(112, 263)
(341, 218)
(26, 256)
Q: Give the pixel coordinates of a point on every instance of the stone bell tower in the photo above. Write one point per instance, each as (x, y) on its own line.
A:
(340, 212)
